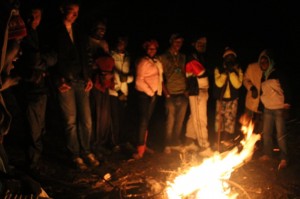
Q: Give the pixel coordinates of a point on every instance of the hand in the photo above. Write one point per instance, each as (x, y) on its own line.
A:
(254, 92)
(88, 86)
(9, 81)
(122, 97)
(286, 106)
(64, 88)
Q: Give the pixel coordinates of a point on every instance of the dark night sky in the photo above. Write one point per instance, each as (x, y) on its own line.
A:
(248, 26)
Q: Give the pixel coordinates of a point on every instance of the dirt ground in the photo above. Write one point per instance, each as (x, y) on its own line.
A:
(119, 176)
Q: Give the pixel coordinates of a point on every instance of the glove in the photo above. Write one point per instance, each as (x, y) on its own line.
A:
(254, 92)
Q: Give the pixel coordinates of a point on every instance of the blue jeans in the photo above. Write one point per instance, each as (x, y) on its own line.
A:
(75, 106)
(271, 117)
(146, 106)
(176, 107)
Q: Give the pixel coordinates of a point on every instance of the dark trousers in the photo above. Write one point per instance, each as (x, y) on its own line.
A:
(146, 106)
(36, 112)
(75, 106)
(101, 114)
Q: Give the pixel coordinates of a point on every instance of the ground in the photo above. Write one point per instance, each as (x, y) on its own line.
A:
(119, 176)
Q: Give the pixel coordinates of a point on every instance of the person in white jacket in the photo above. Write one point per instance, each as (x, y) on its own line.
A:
(148, 83)
(119, 95)
(275, 99)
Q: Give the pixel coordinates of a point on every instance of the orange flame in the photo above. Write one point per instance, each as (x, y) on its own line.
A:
(208, 180)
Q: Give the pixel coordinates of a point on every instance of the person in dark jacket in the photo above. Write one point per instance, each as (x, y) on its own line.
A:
(74, 85)
(32, 67)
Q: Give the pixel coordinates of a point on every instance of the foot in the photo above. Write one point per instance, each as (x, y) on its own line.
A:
(191, 147)
(91, 159)
(206, 152)
(79, 163)
(137, 156)
(282, 165)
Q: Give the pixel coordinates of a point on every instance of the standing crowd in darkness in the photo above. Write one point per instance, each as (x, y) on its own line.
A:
(92, 80)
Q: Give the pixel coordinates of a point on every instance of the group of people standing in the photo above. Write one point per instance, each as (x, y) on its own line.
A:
(92, 87)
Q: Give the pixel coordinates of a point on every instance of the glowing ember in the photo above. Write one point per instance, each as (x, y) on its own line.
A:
(209, 180)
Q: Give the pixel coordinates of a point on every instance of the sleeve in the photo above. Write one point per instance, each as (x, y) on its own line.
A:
(140, 78)
(194, 68)
(236, 79)
(246, 79)
(220, 79)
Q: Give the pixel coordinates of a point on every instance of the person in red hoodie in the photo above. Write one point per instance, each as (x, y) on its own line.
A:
(100, 103)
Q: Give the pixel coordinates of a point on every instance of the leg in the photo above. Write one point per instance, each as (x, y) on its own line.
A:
(268, 128)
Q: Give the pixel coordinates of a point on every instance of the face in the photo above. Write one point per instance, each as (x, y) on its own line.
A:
(264, 63)
(71, 14)
(230, 60)
(200, 45)
(36, 17)
(100, 30)
(177, 44)
(121, 47)
(151, 50)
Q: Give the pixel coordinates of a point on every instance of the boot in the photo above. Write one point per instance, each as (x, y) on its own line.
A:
(140, 152)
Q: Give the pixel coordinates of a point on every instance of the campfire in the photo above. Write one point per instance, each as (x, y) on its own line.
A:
(210, 179)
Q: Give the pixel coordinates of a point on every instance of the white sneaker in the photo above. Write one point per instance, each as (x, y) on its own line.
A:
(206, 152)
(191, 147)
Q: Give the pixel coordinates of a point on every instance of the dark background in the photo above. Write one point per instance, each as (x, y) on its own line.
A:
(246, 26)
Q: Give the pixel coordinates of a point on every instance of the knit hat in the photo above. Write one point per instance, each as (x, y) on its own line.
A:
(228, 51)
(16, 26)
(105, 63)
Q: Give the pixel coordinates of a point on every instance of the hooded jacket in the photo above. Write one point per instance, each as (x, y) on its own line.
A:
(275, 91)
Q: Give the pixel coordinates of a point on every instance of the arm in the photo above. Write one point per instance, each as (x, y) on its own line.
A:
(220, 78)
(236, 79)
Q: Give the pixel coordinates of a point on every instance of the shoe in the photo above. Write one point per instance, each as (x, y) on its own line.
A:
(282, 165)
(264, 158)
(92, 160)
(116, 149)
(167, 150)
(140, 152)
(206, 152)
(227, 143)
(149, 150)
(191, 147)
(80, 164)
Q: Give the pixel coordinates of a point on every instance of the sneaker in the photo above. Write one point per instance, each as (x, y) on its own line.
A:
(80, 164)
(167, 150)
(282, 165)
(191, 147)
(206, 152)
(116, 149)
(265, 158)
(92, 160)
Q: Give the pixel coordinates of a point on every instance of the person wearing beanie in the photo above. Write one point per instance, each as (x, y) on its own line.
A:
(228, 81)
(275, 98)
